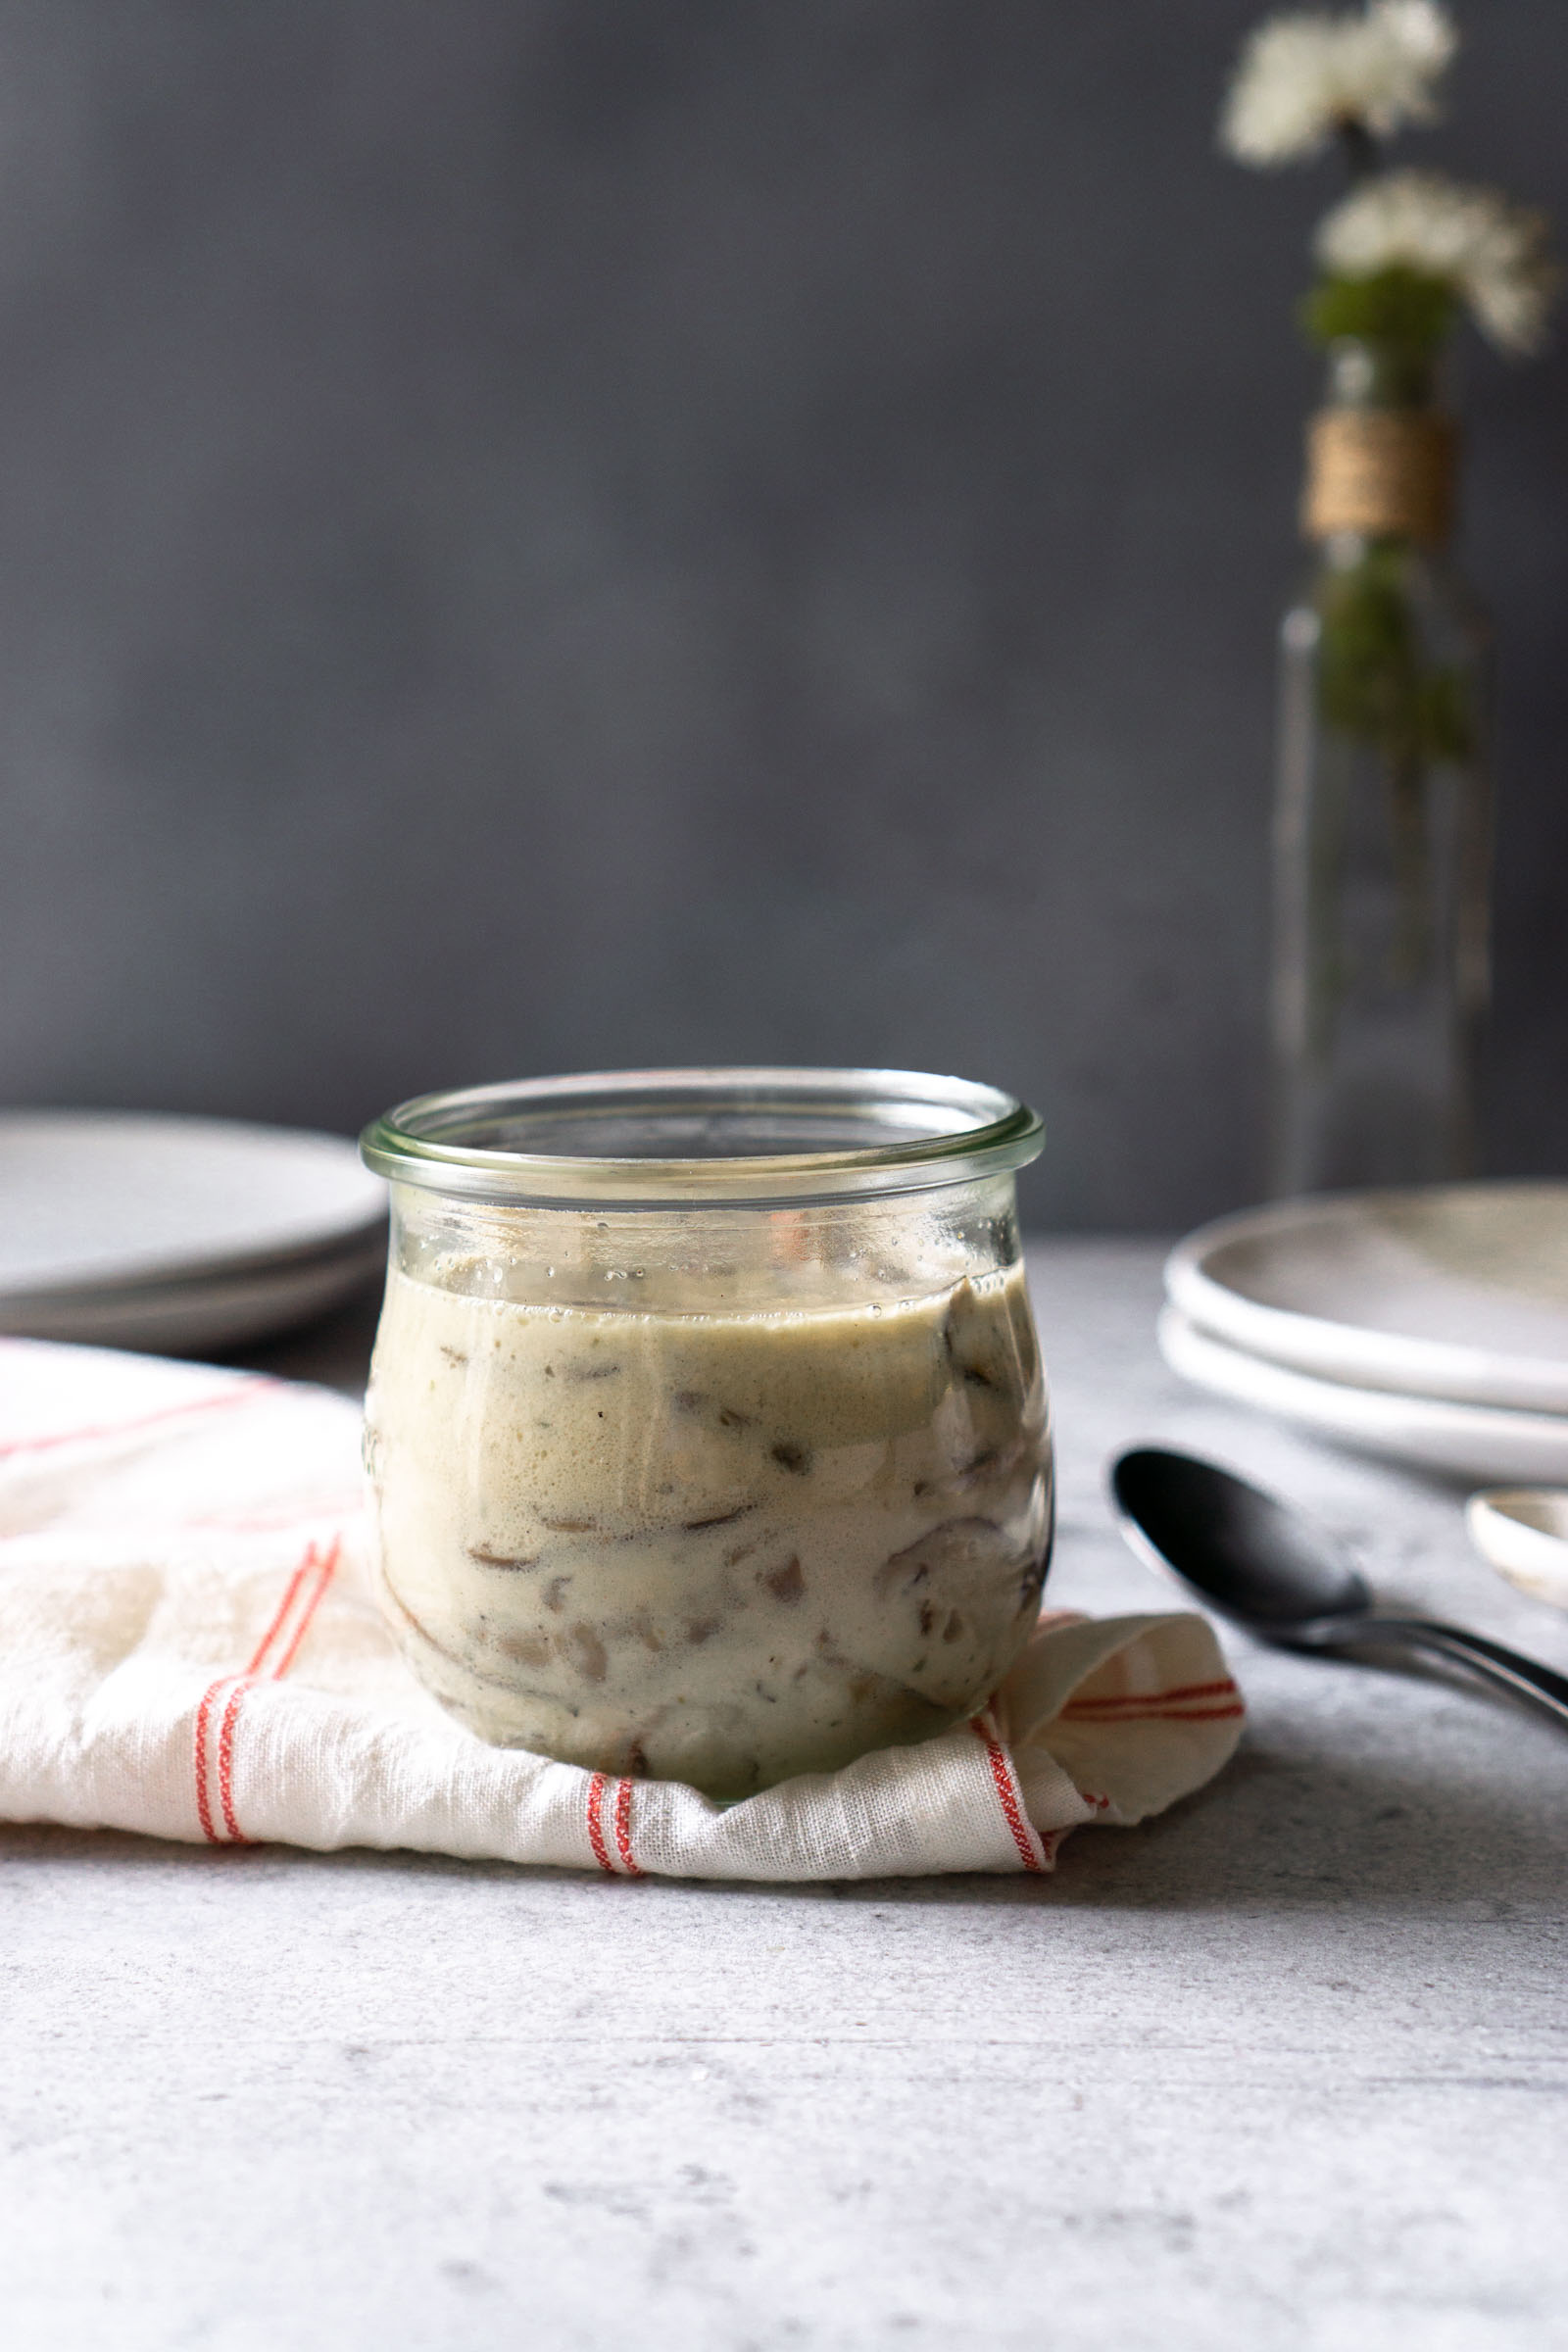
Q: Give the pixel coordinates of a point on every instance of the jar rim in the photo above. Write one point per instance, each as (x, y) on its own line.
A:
(870, 1131)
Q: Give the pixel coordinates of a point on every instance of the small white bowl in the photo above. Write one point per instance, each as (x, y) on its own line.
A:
(1523, 1531)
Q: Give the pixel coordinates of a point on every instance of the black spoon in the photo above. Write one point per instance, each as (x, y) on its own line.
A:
(1286, 1580)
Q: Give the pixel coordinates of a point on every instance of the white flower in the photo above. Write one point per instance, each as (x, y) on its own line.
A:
(1492, 253)
(1301, 78)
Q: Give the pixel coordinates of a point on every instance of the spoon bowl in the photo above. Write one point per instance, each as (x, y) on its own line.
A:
(1250, 1556)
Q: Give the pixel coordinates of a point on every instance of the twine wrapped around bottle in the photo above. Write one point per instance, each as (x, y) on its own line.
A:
(1380, 473)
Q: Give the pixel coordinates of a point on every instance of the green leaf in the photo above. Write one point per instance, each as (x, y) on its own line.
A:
(1398, 305)
(1373, 682)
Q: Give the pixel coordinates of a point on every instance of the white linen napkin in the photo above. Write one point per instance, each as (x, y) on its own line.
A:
(190, 1646)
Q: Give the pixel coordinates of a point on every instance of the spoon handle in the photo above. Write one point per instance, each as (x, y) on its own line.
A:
(1526, 1676)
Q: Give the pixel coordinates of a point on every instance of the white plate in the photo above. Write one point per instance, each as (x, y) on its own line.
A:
(1462, 1441)
(1452, 1291)
(99, 1202)
(184, 1318)
(1523, 1531)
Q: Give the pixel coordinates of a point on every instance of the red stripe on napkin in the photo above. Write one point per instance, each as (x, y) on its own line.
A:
(290, 1625)
(204, 1811)
(623, 1829)
(620, 1821)
(312, 1601)
(596, 1834)
(1148, 1698)
(226, 1764)
(1033, 1851)
(120, 1429)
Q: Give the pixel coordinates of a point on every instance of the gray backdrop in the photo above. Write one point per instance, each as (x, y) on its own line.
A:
(543, 533)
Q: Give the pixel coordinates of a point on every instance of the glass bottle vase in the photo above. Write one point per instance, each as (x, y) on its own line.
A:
(1383, 816)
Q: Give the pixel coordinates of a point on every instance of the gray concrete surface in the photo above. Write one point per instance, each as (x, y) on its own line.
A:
(1285, 2068)
(536, 536)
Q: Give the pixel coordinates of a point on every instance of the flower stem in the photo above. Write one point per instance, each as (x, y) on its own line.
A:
(1360, 151)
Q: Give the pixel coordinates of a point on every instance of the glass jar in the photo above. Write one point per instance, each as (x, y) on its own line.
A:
(1383, 819)
(706, 1433)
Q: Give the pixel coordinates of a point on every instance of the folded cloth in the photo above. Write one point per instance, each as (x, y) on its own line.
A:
(190, 1646)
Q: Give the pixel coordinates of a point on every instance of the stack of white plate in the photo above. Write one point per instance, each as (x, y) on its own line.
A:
(128, 1230)
(1430, 1326)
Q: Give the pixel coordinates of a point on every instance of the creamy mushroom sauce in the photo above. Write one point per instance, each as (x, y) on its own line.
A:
(710, 1546)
